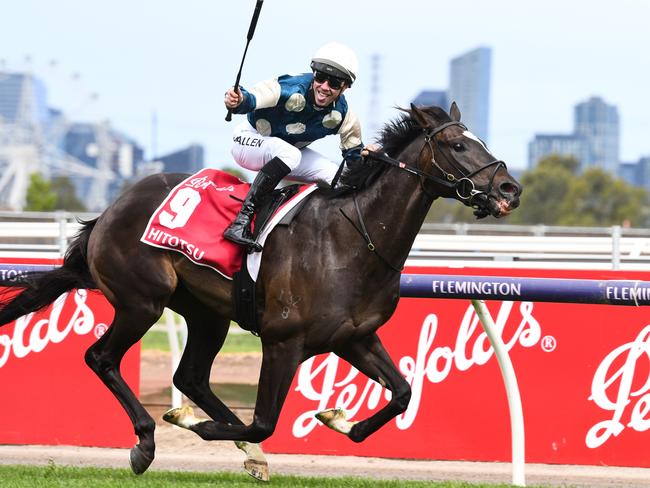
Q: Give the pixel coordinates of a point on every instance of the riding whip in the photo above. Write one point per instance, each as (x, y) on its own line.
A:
(251, 31)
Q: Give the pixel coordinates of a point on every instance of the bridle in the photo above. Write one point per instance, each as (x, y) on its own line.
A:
(463, 185)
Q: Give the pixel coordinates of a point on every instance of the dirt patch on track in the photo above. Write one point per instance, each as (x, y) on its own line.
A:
(230, 369)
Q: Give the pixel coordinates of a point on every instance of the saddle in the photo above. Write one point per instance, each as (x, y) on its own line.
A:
(243, 285)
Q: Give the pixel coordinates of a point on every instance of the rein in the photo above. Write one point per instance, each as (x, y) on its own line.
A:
(463, 186)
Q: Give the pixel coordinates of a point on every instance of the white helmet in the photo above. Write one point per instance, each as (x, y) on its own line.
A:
(336, 59)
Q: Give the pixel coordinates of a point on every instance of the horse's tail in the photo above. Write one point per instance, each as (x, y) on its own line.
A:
(40, 288)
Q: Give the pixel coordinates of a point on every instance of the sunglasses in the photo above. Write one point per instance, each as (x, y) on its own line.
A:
(334, 82)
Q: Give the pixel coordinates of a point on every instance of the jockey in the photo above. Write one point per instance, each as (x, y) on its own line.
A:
(285, 115)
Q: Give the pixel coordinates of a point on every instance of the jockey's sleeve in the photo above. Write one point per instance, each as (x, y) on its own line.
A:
(350, 133)
(263, 95)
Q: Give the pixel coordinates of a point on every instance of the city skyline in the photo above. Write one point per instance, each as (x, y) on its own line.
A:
(96, 158)
(176, 62)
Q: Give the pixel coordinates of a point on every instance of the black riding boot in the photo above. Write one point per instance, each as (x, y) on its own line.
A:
(266, 180)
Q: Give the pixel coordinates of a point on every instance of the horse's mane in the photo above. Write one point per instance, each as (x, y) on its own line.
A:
(393, 138)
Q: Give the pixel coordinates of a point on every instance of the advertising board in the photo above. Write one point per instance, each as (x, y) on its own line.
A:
(49, 395)
(583, 372)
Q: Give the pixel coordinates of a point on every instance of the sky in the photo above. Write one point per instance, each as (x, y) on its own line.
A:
(131, 62)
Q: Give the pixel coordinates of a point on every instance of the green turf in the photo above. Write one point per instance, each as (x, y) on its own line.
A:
(157, 339)
(235, 395)
(58, 476)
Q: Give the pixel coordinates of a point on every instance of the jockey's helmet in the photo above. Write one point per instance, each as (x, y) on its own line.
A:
(337, 60)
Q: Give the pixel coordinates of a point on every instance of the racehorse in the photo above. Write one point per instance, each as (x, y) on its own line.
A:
(327, 282)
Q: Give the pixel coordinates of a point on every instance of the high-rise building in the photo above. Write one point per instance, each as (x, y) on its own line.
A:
(562, 144)
(24, 119)
(110, 153)
(598, 122)
(23, 99)
(636, 174)
(437, 98)
(188, 160)
(469, 87)
(594, 141)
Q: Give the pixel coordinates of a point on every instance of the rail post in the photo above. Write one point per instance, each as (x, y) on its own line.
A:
(616, 247)
(62, 219)
(512, 392)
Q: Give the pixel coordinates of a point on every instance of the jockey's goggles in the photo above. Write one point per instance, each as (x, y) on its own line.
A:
(334, 82)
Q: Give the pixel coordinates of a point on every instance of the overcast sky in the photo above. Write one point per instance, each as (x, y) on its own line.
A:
(177, 58)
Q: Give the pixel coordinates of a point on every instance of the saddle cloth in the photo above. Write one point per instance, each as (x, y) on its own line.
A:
(192, 218)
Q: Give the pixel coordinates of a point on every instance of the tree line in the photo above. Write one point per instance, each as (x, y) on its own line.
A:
(58, 193)
(555, 193)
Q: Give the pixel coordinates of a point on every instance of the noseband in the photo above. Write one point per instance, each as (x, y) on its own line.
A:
(464, 186)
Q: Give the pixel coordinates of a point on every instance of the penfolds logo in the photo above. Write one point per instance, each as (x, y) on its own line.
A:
(33, 336)
(613, 389)
(431, 362)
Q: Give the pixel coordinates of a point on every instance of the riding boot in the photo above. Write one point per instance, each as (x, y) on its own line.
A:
(266, 180)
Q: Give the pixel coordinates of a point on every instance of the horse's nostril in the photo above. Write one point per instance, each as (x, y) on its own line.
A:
(508, 189)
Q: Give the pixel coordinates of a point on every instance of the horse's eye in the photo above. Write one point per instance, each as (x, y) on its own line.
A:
(458, 147)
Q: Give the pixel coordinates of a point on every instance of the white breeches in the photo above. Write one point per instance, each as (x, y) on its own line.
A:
(252, 151)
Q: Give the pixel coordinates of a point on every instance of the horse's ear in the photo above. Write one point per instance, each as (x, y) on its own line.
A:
(420, 117)
(454, 112)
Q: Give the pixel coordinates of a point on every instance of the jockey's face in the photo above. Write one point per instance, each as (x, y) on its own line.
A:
(324, 92)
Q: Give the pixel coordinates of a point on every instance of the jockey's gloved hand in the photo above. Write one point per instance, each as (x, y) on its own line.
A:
(370, 148)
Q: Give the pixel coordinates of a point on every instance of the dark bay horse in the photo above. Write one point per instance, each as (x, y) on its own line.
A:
(326, 282)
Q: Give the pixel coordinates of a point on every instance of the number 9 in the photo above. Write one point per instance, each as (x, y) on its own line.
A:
(183, 205)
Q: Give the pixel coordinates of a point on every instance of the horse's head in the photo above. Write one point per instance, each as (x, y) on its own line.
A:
(449, 152)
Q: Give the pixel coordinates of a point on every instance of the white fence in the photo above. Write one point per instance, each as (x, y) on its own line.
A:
(46, 235)
(38, 234)
(504, 246)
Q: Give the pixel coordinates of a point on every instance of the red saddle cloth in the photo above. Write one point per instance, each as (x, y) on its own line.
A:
(193, 217)
(195, 214)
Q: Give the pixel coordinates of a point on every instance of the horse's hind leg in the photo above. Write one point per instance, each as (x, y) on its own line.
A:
(371, 359)
(104, 358)
(206, 333)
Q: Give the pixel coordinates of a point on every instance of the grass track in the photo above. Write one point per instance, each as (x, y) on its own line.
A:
(60, 476)
(235, 343)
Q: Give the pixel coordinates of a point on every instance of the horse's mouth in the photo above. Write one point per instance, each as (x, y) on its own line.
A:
(498, 208)
(503, 208)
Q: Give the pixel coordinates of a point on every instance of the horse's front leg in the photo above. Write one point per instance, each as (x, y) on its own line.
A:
(279, 363)
(371, 359)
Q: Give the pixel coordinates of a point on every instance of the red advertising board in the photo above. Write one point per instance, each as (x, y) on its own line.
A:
(49, 395)
(583, 373)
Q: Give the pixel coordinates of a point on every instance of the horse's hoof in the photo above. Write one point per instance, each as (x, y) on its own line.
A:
(252, 450)
(257, 469)
(182, 417)
(173, 415)
(255, 463)
(335, 419)
(326, 416)
(139, 460)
